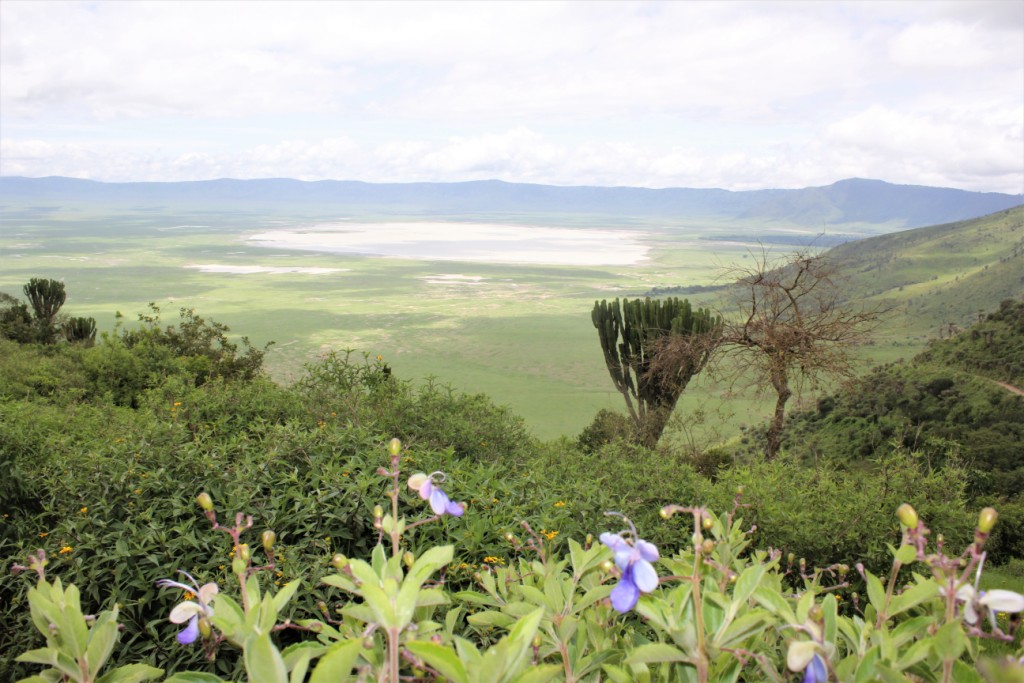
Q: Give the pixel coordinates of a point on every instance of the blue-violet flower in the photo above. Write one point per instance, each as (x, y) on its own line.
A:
(189, 611)
(638, 574)
(431, 492)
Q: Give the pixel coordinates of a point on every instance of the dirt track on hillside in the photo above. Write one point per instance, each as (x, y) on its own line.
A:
(1010, 387)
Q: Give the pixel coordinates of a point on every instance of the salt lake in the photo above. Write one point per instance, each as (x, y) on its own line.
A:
(471, 242)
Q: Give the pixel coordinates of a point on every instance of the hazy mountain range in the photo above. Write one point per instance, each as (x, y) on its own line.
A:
(853, 201)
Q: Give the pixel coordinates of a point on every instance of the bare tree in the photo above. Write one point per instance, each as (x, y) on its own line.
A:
(793, 328)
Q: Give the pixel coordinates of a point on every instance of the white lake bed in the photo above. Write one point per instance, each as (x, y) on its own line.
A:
(470, 242)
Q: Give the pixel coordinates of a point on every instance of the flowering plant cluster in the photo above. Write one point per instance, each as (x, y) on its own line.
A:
(618, 609)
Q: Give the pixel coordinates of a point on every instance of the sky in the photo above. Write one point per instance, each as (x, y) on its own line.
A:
(734, 95)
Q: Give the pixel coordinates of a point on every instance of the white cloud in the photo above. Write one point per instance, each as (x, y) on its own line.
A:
(738, 94)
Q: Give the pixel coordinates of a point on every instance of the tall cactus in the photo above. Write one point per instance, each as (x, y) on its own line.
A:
(46, 298)
(647, 365)
(80, 330)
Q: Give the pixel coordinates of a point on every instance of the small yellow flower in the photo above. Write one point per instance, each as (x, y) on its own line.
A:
(66, 549)
(188, 595)
(138, 491)
(560, 504)
(380, 357)
(494, 560)
(44, 534)
(550, 535)
(494, 500)
(84, 510)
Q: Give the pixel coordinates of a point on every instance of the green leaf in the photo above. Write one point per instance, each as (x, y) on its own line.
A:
(906, 554)
(964, 673)
(653, 653)
(102, 637)
(491, 618)
(876, 593)
(913, 596)
(770, 599)
(742, 628)
(43, 655)
(336, 665)
(441, 659)
(949, 641)
(285, 594)
(194, 677)
(131, 673)
(263, 662)
(540, 673)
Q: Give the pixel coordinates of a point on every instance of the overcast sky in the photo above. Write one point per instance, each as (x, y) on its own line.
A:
(738, 95)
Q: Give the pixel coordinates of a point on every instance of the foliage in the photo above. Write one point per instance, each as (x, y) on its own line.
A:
(994, 347)
(720, 612)
(653, 348)
(790, 328)
(46, 298)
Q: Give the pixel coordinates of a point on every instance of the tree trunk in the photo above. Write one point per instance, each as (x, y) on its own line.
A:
(781, 383)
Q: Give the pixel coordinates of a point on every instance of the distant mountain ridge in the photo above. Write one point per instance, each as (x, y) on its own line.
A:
(845, 202)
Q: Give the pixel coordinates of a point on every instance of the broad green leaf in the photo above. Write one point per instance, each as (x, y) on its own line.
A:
(263, 662)
(876, 593)
(949, 641)
(102, 637)
(771, 600)
(43, 655)
(913, 596)
(194, 677)
(744, 627)
(491, 618)
(540, 673)
(655, 653)
(906, 554)
(131, 673)
(285, 594)
(336, 665)
(441, 659)
(964, 673)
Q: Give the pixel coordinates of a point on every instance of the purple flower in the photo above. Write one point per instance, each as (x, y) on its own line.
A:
(634, 561)
(815, 671)
(439, 501)
(189, 611)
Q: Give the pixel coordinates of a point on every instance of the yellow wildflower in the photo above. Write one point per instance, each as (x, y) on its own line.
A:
(494, 560)
(560, 504)
(188, 595)
(44, 534)
(550, 535)
(84, 510)
(66, 549)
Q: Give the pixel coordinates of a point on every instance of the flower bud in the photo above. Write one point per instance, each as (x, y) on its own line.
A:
(708, 523)
(378, 512)
(740, 489)
(589, 540)
(987, 520)
(205, 502)
(339, 561)
(322, 606)
(537, 641)
(237, 566)
(383, 472)
(907, 516)
(707, 547)
(368, 643)
(205, 628)
(408, 558)
(509, 537)
(665, 513)
(816, 613)
(268, 539)
(244, 552)
(607, 566)
(394, 446)
(790, 558)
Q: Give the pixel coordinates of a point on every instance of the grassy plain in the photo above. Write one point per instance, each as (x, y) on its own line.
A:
(521, 333)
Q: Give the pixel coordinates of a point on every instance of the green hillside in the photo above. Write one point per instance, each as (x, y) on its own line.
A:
(940, 275)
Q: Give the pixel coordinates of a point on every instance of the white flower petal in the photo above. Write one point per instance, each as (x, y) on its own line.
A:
(185, 611)
(207, 591)
(999, 600)
(800, 654)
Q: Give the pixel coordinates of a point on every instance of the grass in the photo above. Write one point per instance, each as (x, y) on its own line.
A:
(522, 335)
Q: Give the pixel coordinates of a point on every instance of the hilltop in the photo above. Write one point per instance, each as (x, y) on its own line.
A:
(939, 277)
(851, 202)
